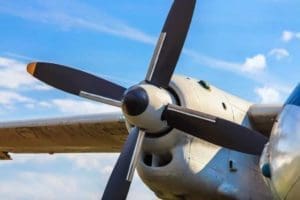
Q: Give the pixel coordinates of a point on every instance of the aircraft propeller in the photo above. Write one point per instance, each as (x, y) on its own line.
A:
(135, 101)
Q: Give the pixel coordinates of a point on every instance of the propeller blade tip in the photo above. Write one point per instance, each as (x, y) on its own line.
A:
(31, 68)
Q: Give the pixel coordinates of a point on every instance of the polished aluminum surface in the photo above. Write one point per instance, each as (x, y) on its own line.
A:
(155, 56)
(135, 156)
(179, 166)
(284, 150)
(100, 99)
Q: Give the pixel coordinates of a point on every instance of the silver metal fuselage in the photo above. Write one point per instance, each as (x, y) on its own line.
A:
(179, 166)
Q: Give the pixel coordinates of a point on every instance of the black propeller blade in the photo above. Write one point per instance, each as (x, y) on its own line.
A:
(170, 43)
(75, 81)
(118, 185)
(215, 130)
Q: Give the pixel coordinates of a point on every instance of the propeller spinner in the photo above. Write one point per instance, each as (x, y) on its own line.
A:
(149, 106)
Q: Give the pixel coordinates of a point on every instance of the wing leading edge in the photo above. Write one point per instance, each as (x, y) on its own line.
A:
(89, 133)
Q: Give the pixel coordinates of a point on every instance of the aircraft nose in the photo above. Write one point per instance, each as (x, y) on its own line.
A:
(135, 101)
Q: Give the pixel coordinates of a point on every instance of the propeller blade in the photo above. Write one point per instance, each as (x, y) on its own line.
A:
(170, 43)
(215, 130)
(120, 179)
(136, 155)
(75, 81)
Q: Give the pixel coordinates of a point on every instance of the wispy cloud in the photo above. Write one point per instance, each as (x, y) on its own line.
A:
(16, 56)
(85, 17)
(253, 64)
(279, 53)
(253, 68)
(64, 106)
(70, 106)
(212, 62)
(9, 98)
(79, 16)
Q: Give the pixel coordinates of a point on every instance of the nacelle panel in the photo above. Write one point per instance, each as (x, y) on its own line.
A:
(284, 153)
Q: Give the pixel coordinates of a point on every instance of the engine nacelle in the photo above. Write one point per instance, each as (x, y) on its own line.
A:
(280, 161)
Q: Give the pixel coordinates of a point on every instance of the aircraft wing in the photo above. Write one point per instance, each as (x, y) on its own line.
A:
(262, 117)
(89, 133)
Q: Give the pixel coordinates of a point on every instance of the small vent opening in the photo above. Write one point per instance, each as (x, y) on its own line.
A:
(147, 159)
(157, 160)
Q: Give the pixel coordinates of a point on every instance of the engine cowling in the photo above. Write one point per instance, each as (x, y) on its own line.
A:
(280, 161)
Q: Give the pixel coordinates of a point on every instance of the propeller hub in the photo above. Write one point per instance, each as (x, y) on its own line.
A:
(135, 101)
(143, 105)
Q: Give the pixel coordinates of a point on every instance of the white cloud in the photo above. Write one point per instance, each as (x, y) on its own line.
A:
(279, 54)
(263, 77)
(86, 177)
(102, 163)
(45, 104)
(268, 95)
(66, 106)
(14, 79)
(33, 185)
(93, 162)
(107, 169)
(287, 36)
(74, 107)
(13, 75)
(29, 158)
(8, 98)
(255, 64)
(70, 106)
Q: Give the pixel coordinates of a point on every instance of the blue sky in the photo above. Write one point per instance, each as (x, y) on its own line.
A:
(248, 48)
